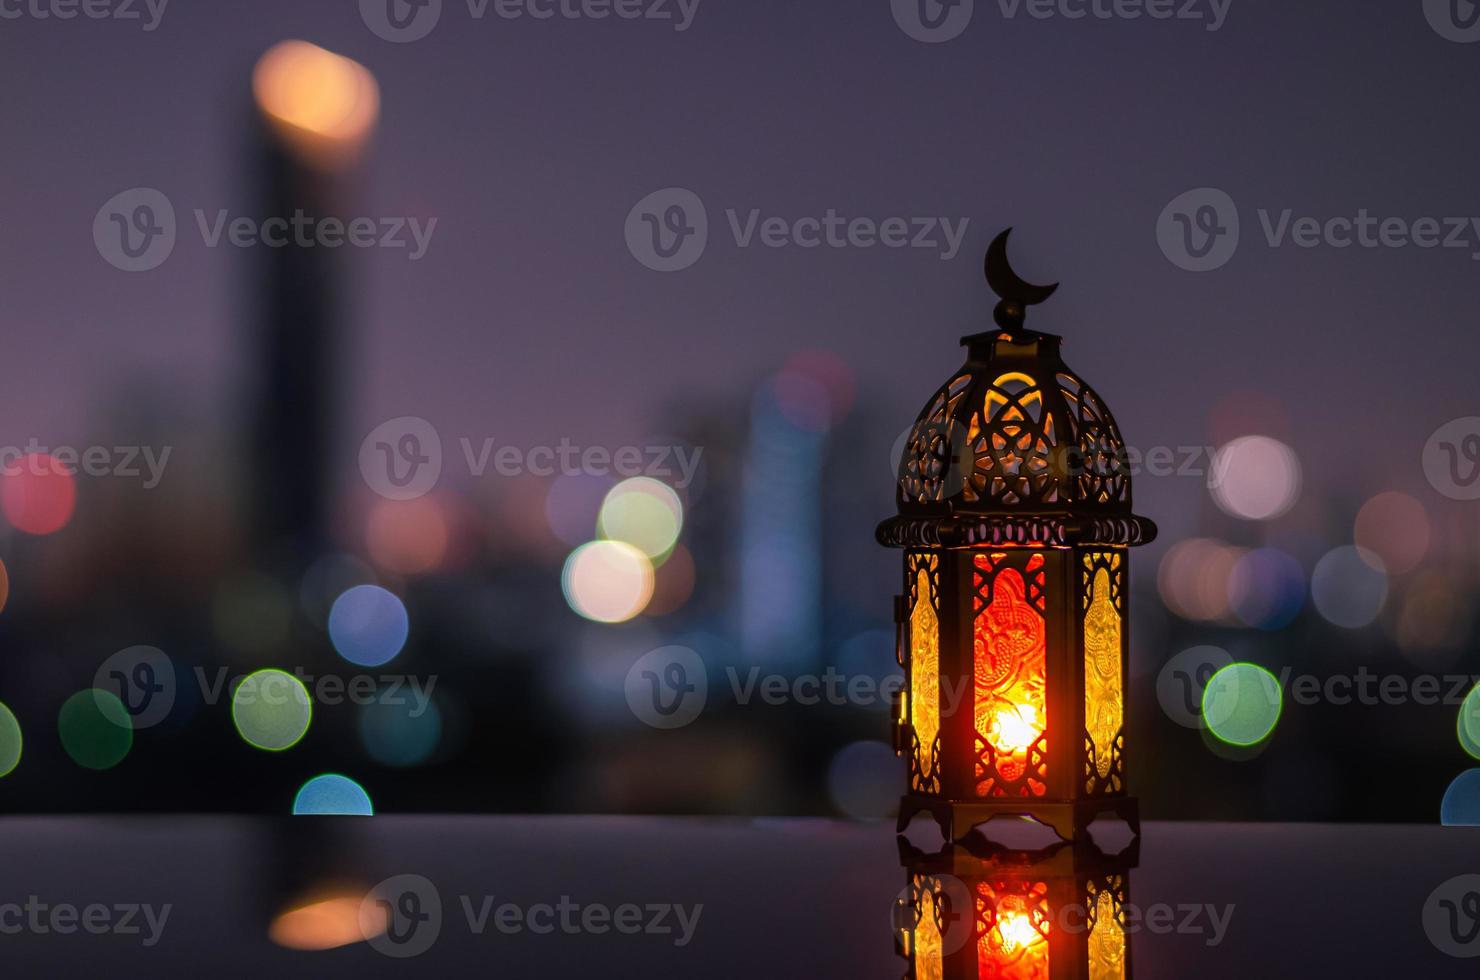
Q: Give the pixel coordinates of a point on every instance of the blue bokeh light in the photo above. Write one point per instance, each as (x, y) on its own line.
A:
(368, 625)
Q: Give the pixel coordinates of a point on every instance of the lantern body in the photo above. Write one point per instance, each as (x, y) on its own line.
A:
(1015, 520)
(1060, 918)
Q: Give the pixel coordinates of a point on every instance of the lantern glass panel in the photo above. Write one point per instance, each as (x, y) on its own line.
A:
(1010, 644)
(925, 671)
(1012, 939)
(929, 946)
(1106, 939)
(1104, 694)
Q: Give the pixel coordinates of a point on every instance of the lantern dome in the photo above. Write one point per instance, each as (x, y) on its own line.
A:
(1015, 447)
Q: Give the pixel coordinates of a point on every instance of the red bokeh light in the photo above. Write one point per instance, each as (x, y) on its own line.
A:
(37, 493)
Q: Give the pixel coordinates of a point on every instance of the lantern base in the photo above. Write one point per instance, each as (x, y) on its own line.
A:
(1070, 819)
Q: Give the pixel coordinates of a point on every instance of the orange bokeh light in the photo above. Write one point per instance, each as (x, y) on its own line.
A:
(324, 924)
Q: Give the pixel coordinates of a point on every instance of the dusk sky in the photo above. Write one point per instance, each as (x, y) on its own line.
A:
(528, 319)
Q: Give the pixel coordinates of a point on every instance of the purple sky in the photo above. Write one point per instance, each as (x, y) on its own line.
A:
(528, 320)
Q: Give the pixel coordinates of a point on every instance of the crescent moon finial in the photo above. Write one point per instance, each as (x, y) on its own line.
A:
(1017, 293)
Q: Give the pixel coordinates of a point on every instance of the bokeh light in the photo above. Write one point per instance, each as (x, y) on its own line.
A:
(1255, 478)
(368, 625)
(1349, 587)
(863, 780)
(1394, 527)
(607, 581)
(271, 710)
(38, 494)
(10, 741)
(321, 103)
(401, 734)
(4, 586)
(332, 795)
(814, 390)
(1435, 618)
(1242, 703)
(1194, 578)
(644, 513)
(95, 729)
(1461, 804)
(1266, 588)
(328, 922)
(408, 537)
(1468, 724)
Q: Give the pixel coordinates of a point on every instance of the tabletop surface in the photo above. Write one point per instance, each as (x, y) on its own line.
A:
(543, 896)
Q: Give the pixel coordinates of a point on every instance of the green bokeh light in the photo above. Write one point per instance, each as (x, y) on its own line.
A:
(271, 710)
(10, 741)
(1241, 704)
(95, 729)
(1469, 723)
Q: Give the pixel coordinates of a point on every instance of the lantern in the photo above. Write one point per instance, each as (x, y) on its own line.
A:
(1015, 519)
(1014, 916)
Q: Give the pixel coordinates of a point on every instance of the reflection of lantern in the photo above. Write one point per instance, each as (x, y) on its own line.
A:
(1015, 518)
(1060, 917)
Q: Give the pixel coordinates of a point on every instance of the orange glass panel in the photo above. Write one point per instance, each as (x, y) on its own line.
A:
(1104, 697)
(925, 675)
(1013, 944)
(1010, 650)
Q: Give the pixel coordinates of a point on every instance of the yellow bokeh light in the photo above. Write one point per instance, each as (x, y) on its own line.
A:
(607, 581)
(322, 104)
(644, 513)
